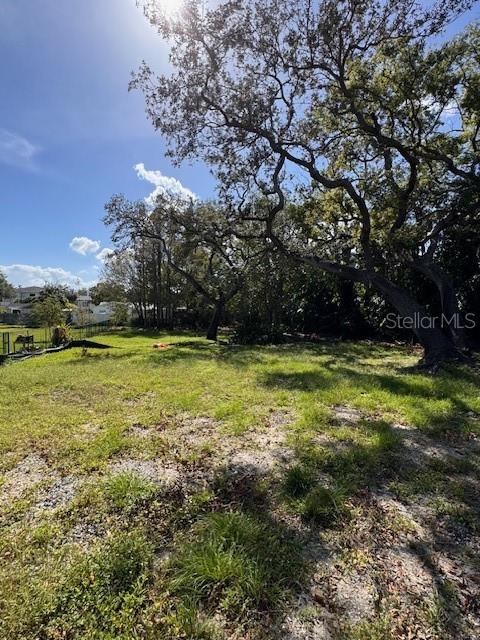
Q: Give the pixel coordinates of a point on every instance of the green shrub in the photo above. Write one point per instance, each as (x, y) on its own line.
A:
(298, 481)
(321, 505)
(125, 490)
(234, 561)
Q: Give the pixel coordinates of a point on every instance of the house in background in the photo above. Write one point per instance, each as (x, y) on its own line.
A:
(27, 295)
(17, 309)
(85, 312)
(83, 301)
(22, 296)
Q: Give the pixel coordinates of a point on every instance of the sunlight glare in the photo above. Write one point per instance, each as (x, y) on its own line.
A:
(170, 7)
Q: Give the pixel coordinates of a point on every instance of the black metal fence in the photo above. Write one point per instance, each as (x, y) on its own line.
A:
(20, 338)
(90, 330)
(5, 344)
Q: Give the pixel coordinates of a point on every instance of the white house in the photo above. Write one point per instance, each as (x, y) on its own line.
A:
(83, 302)
(103, 312)
(86, 312)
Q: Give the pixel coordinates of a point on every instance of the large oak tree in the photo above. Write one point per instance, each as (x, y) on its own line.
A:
(345, 98)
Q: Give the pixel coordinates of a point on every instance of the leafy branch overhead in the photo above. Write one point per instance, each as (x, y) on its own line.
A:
(358, 117)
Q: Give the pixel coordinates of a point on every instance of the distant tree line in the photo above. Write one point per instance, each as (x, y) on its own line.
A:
(205, 275)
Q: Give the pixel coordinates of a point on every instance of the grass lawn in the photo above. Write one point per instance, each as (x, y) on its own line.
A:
(40, 334)
(212, 491)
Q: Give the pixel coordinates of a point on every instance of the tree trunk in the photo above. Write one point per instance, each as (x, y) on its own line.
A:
(438, 347)
(351, 321)
(450, 310)
(212, 332)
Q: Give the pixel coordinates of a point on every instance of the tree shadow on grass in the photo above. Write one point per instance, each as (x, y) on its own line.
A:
(414, 392)
(244, 355)
(299, 381)
(193, 351)
(418, 391)
(234, 563)
(423, 482)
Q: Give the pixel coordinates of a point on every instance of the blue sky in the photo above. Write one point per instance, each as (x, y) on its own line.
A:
(70, 133)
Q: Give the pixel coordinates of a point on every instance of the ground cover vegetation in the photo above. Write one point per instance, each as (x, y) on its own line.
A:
(216, 491)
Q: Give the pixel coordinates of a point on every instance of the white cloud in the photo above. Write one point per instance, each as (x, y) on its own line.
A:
(450, 110)
(104, 254)
(17, 151)
(84, 245)
(26, 275)
(163, 185)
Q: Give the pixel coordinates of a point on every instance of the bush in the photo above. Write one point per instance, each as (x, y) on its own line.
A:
(61, 335)
(235, 562)
(121, 315)
(252, 331)
(321, 506)
(298, 481)
(48, 312)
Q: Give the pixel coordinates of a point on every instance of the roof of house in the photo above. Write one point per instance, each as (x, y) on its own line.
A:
(28, 289)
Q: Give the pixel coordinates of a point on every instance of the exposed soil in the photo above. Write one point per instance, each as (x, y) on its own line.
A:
(347, 414)
(152, 470)
(24, 476)
(407, 558)
(412, 556)
(58, 494)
